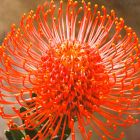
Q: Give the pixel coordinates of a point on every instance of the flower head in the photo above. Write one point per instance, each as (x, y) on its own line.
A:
(70, 67)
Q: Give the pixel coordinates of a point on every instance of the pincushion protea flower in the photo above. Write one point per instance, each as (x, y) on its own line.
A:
(84, 67)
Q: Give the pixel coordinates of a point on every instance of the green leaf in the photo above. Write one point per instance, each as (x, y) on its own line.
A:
(22, 109)
(67, 132)
(31, 133)
(14, 134)
(8, 135)
(34, 95)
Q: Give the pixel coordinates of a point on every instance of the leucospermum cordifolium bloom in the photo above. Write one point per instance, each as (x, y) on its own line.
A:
(70, 63)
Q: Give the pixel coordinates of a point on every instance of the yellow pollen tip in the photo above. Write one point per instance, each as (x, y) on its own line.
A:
(103, 7)
(96, 5)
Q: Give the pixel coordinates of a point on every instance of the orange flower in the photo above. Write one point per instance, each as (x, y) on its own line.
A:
(79, 67)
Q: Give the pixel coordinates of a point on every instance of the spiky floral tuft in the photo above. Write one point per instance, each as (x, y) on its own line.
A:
(82, 65)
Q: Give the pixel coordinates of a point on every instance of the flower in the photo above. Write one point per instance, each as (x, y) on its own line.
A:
(70, 68)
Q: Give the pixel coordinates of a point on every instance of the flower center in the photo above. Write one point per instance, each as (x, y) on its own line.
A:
(73, 74)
